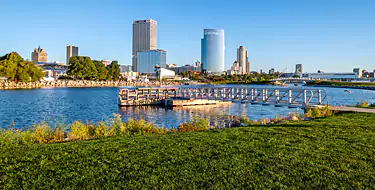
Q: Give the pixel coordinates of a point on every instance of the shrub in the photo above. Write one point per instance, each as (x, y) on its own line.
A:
(316, 112)
(25, 137)
(308, 113)
(118, 126)
(42, 133)
(7, 138)
(101, 130)
(58, 135)
(262, 121)
(197, 124)
(254, 122)
(78, 131)
(363, 104)
(277, 119)
(244, 119)
(326, 111)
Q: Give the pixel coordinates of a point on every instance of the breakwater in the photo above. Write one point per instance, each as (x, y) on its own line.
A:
(78, 83)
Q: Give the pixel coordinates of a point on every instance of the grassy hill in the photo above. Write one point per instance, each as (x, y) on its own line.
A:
(335, 152)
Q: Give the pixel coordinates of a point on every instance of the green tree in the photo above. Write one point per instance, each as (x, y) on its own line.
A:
(102, 70)
(8, 65)
(183, 74)
(113, 71)
(89, 69)
(15, 68)
(82, 67)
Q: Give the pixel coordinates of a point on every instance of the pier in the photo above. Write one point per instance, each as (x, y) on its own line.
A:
(185, 96)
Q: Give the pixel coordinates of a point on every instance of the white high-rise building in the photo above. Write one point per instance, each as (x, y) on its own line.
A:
(144, 38)
(243, 60)
(70, 51)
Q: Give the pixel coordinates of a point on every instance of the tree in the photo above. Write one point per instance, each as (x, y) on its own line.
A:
(102, 70)
(15, 68)
(113, 71)
(8, 65)
(82, 67)
(183, 74)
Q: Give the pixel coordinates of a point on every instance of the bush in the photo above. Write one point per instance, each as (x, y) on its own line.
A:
(363, 104)
(308, 114)
(78, 131)
(316, 112)
(197, 124)
(101, 130)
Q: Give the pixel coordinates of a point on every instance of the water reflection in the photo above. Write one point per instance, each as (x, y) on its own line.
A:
(172, 117)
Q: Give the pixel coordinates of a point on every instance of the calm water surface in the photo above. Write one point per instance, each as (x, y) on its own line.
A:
(25, 107)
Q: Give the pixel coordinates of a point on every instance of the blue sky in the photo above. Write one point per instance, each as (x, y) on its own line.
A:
(331, 35)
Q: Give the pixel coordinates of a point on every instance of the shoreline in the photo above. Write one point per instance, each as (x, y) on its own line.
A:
(350, 87)
(78, 84)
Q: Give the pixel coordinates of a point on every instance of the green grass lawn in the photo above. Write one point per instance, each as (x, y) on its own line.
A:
(336, 152)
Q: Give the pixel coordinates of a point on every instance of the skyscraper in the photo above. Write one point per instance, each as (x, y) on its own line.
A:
(212, 51)
(147, 60)
(39, 55)
(299, 70)
(243, 60)
(144, 38)
(70, 51)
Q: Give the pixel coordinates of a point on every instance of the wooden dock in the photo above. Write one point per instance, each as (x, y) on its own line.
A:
(189, 96)
(160, 96)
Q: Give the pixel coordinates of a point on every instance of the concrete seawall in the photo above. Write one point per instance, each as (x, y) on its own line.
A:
(76, 84)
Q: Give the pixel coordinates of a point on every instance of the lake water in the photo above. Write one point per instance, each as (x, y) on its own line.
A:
(22, 108)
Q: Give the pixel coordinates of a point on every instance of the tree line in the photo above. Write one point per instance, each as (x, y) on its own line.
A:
(82, 67)
(15, 68)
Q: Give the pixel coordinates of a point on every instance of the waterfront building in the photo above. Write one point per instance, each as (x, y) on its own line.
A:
(144, 39)
(166, 74)
(331, 76)
(243, 60)
(185, 68)
(106, 62)
(125, 68)
(129, 75)
(148, 60)
(54, 73)
(212, 51)
(299, 70)
(39, 56)
(171, 65)
(358, 71)
(236, 69)
(70, 51)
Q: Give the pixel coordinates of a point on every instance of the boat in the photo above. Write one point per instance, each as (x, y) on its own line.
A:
(348, 91)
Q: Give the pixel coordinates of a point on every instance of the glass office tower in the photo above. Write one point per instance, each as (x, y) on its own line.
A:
(147, 60)
(212, 51)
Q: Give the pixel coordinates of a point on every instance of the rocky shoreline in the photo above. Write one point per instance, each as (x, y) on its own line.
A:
(77, 84)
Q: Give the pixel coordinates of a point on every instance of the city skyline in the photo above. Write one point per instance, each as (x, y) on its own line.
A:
(329, 36)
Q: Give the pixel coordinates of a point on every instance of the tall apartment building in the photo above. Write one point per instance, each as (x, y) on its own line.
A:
(243, 60)
(70, 51)
(144, 38)
(212, 51)
(39, 55)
